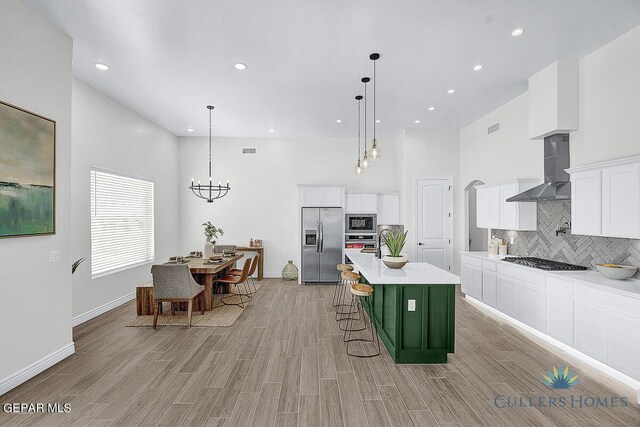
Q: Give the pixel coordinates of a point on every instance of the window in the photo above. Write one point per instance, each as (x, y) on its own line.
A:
(121, 222)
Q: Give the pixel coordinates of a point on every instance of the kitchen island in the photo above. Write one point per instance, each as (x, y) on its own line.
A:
(413, 307)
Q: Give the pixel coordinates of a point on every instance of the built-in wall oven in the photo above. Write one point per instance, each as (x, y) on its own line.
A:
(360, 223)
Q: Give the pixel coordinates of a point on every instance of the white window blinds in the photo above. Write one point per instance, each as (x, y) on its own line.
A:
(121, 222)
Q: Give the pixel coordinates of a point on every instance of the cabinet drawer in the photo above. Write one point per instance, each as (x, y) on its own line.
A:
(522, 273)
(555, 284)
(608, 299)
(489, 266)
(473, 261)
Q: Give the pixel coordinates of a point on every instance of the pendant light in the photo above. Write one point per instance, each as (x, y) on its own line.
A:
(209, 192)
(375, 151)
(365, 158)
(359, 168)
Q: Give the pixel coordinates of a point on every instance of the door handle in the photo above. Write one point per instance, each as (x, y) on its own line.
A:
(420, 244)
(318, 238)
(321, 237)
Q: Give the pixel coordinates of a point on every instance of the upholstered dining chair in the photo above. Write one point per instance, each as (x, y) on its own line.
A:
(252, 270)
(218, 249)
(174, 283)
(236, 281)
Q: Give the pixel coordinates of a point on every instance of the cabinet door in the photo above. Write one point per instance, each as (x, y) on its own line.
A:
(471, 281)
(388, 209)
(592, 325)
(625, 344)
(508, 210)
(532, 306)
(508, 291)
(332, 197)
(369, 203)
(354, 203)
(621, 201)
(482, 208)
(311, 197)
(490, 288)
(560, 317)
(494, 207)
(586, 200)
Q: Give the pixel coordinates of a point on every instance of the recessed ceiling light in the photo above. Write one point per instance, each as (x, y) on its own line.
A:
(450, 91)
(416, 121)
(189, 129)
(477, 67)
(517, 32)
(272, 130)
(102, 67)
(432, 108)
(378, 121)
(240, 66)
(338, 121)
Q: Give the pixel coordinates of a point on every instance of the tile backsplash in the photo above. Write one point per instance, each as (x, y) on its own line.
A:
(574, 249)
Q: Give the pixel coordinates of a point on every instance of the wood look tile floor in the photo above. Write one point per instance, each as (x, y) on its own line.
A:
(283, 364)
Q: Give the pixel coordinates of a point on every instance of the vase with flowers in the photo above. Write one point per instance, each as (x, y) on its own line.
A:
(211, 233)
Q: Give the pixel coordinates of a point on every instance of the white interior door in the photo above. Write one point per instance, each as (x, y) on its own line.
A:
(434, 220)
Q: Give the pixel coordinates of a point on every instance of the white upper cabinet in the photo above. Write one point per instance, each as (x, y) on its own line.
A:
(493, 210)
(389, 208)
(321, 196)
(554, 100)
(361, 202)
(605, 199)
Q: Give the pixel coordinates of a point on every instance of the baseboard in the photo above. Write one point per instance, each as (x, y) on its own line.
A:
(102, 309)
(35, 368)
(606, 369)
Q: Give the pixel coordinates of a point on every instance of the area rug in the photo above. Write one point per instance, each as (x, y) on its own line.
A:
(221, 315)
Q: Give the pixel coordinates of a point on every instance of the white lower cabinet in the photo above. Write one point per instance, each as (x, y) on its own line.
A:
(471, 281)
(490, 288)
(592, 329)
(625, 344)
(508, 290)
(560, 317)
(532, 308)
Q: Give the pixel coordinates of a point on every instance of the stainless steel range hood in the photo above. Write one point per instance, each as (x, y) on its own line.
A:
(556, 181)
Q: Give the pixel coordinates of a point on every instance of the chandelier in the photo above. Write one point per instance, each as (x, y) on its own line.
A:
(209, 192)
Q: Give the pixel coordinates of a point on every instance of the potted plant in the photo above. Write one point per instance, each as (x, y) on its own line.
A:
(211, 232)
(395, 241)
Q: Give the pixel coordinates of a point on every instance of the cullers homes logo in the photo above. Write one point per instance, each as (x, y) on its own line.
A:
(559, 379)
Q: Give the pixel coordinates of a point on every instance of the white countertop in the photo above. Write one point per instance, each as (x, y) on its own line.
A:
(629, 287)
(414, 273)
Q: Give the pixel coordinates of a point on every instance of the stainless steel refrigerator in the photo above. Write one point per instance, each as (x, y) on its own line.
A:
(322, 241)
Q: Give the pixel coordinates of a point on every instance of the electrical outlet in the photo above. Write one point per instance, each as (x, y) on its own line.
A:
(412, 305)
(512, 240)
(54, 256)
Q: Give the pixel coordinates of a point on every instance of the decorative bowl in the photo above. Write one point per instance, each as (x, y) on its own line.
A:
(394, 261)
(215, 257)
(617, 272)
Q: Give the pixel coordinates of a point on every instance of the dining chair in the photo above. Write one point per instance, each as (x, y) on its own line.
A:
(230, 279)
(252, 270)
(218, 249)
(174, 283)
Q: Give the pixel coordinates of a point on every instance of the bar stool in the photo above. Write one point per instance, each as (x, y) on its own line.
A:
(339, 284)
(358, 291)
(349, 278)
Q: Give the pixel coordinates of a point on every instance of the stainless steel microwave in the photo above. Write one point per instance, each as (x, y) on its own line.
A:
(360, 223)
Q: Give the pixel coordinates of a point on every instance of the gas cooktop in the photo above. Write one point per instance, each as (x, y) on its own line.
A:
(544, 264)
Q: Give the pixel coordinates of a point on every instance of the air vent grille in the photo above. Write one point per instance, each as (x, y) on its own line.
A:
(493, 128)
(251, 151)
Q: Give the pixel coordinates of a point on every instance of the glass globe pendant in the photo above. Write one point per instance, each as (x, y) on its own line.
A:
(375, 151)
(365, 159)
(359, 169)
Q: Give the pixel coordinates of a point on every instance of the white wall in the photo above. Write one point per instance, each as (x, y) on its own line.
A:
(427, 153)
(609, 102)
(263, 200)
(36, 295)
(107, 134)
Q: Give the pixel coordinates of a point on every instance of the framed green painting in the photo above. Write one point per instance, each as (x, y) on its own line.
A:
(27, 173)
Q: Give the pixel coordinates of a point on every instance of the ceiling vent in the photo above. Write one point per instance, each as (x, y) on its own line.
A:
(493, 128)
(250, 151)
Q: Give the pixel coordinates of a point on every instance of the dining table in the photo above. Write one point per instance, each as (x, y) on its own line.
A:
(204, 271)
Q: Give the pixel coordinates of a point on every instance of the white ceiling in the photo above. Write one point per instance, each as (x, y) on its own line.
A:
(305, 58)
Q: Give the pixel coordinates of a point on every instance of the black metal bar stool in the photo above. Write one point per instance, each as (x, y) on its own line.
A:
(349, 278)
(360, 290)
